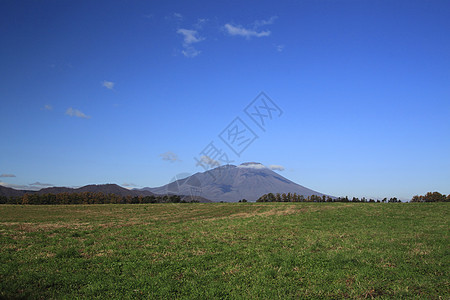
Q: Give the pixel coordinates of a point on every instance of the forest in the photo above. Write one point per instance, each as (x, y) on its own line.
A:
(110, 198)
(89, 198)
(293, 197)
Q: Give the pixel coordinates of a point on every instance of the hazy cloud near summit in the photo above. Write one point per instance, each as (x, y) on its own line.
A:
(32, 186)
(208, 161)
(7, 175)
(252, 166)
(261, 166)
(169, 156)
(276, 167)
(37, 183)
(129, 185)
(18, 186)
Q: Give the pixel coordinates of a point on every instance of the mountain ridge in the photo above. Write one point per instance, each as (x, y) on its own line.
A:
(228, 183)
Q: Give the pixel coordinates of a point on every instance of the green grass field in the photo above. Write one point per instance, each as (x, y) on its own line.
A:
(245, 250)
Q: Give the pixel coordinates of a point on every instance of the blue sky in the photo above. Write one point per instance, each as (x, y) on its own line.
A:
(130, 92)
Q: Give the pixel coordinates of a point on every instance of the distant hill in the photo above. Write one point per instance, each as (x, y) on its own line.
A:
(9, 192)
(93, 188)
(97, 188)
(232, 183)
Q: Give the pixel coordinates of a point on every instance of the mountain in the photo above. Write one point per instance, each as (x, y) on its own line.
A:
(232, 183)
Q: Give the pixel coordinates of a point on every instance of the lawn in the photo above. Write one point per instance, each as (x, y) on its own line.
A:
(229, 250)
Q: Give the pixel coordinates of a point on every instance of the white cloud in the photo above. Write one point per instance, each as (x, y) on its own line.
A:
(175, 17)
(251, 31)
(169, 156)
(76, 113)
(270, 21)
(190, 37)
(7, 175)
(108, 84)
(200, 23)
(276, 167)
(48, 107)
(190, 52)
(279, 48)
(178, 16)
(247, 33)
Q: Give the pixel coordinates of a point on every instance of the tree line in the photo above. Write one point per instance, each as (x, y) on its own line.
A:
(293, 197)
(431, 197)
(101, 198)
(89, 198)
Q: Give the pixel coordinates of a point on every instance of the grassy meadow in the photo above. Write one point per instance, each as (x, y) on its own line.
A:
(229, 250)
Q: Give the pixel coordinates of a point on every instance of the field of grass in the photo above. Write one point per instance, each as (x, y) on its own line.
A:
(241, 250)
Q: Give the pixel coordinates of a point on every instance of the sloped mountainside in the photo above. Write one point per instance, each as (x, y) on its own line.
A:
(232, 183)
